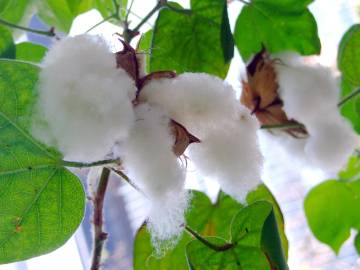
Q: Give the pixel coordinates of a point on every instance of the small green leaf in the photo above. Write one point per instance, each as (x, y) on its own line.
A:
(349, 55)
(279, 25)
(61, 13)
(27, 51)
(7, 46)
(107, 8)
(145, 47)
(190, 40)
(352, 170)
(357, 243)
(329, 211)
(41, 202)
(203, 216)
(246, 236)
(350, 109)
(227, 40)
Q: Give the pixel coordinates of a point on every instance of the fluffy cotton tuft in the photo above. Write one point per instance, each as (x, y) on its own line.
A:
(310, 95)
(84, 99)
(231, 155)
(197, 100)
(153, 167)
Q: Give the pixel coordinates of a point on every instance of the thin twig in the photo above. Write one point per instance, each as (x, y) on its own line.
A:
(99, 235)
(49, 33)
(217, 248)
(282, 126)
(75, 164)
(349, 97)
(99, 23)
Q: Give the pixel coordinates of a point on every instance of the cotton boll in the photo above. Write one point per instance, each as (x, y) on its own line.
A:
(198, 101)
(307, 91)
(84, 99)
(231, 155)
(331, 143)
(153, 167)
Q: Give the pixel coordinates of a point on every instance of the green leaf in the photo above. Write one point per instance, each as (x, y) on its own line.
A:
(14, 11)
(28, 51)
(41, 202)
(357, 243)
(203, 216)
(207, 219)
(329, 208)
(350, 109)
(349, 55)
(107, 8)
(190, 41)
(352, 170)
(145, 48)
(227, 40)
(61, 13)
(7, 46)
(246, 236)
(279, 25)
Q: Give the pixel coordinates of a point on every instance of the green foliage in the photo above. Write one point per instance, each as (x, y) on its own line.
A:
(190, 40)
(107, 8)
(209, 220)
(7, 46)
(144, 47)
(246, 237)
(350, 109)
(42, 203)
(357, 243)
(61, 13)
(279, 25)
(349, 55)
(331, 209)
(28, 51)
(14, 10)
(227, 39)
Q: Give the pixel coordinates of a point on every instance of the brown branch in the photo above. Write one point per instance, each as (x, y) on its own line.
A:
(99, 235)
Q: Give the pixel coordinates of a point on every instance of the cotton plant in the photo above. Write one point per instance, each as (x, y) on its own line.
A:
(106, 107)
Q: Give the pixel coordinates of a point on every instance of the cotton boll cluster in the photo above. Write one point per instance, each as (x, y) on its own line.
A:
(84, 99)
(196, 100)
(310, 95)
(230, 154)
(149, 161)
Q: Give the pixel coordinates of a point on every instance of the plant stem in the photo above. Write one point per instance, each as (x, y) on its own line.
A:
(282, 126)
(148, 16)
(99, 235)
(349, 97)
(99, 23)
(49, 33)
(75, 164)
(217, 248)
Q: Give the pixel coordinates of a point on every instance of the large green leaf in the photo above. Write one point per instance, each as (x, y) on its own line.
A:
(7, 46)
(28, 51)
(357, 243)
(41, 202)
(279, 25)
(190, 41)
(227, 39)
(247, 231)
(350, 109)
(61, 13)
(349, 55)
(209, 220)
(14, 10)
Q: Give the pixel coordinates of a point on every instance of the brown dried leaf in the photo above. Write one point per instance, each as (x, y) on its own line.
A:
(182, 138)
(127, 60)
(260, 94)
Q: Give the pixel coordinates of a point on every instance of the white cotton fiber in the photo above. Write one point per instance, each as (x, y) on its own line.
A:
(150, 163)
(310, 95)
(231, 155)
(196, 100)
(84, 99)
